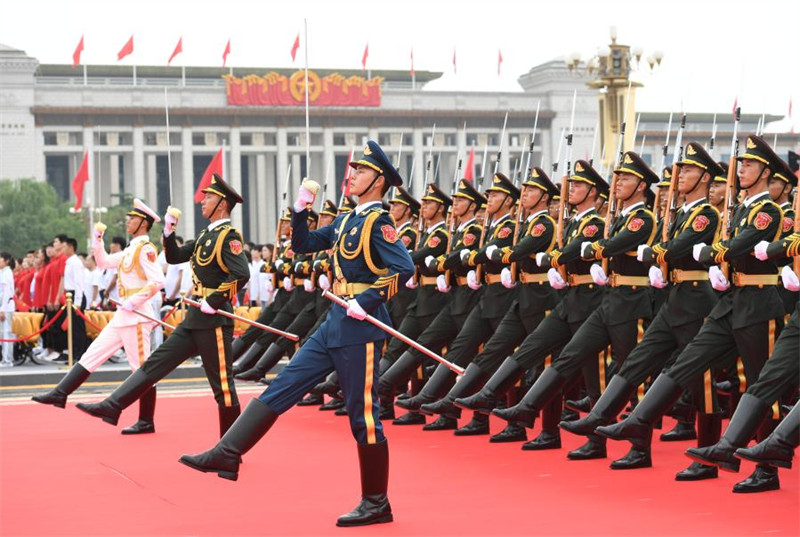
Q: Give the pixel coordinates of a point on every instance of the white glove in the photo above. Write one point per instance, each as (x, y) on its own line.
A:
(556, 281)
(308, 285)
(97, 232)
(278, 264)
(464, 254)
(441, 284)
(430, 260)
(205, 308)
(324, 282)
(490, 250)
(411, 284)
(657, 277)
(506, 279)
(472, 280)
(761, 250)
(696, 250)
(640, 252)
(718, 279)
(170, 223)
(598, 275)
(586, 250)
(540, 258)
(355, 310)
(268, 285)
(287, 283)
(128, 305)
(789, 278)
(304, 197)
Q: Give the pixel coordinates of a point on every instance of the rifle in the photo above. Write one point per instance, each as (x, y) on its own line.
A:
(518, 226)
(533, 139)
(661, 163)
(485, 231)
(563, 207)
(451, 216)
(730, 187)
(672, 198)
(611, 212)
(421, 222)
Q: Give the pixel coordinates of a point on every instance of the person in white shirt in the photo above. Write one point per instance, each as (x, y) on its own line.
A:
(95, 283)
(111, 290)
(254, 285)
(176, 277)
(140, 278)
(73, 283)
(7, 307)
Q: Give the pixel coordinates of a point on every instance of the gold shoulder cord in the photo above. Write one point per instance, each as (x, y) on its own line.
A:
(337, 270)
(363, 245)
(215, 253)
(754, 211)
(134, 264)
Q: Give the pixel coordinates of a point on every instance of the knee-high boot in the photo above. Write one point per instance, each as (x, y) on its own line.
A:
(374, 508)
(147, 409)
(709, 427)
(271, 356)
(473, 377)
(438, 385)
(503, 379)
(248, 358)
(547, 386)
(110, 408)
(71, 382)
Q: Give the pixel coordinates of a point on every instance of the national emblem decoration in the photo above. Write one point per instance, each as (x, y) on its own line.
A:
(762, 221)
(635, 224)
(389, 233)
(537, 230)
(590, 230)
(700, 223)
(434, 241)
(236, 247)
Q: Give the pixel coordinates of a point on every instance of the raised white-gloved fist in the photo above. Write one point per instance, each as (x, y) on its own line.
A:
(355, 310)
(506, 279)
(657, 277)
(540, 258)
(171, 220)
(97, 232)
(464, 254)
(441, 284)
(206, 308)
(472, 280)
(718, 279)
(598, 275)
(287, 283)
(308, 285)
(491, 249)
(790, 279)
(128, 305)
(411, 284)
(305, 195)
(430, 261)
(324, 282)
(555, 279)
(586, 250)
(640, 251)
(696, 249)
(760, 250)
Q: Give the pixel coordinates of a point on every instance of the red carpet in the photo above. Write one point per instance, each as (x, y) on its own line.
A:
(65, 473)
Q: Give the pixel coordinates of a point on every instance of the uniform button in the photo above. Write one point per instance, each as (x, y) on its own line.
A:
(694, 284)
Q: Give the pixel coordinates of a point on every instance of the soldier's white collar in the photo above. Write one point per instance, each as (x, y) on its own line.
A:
(534, 215)
(463, 225)
(578, 216)
(364, 206)
(495, 222)
(755, 197)
(786, 205)
(626, 211)
(687, 206)
(434, 226)
(217, 223)
(140, 238)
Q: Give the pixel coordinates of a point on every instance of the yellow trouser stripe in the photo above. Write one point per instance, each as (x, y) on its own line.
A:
(223, 371)
(548, 361)
(140, 343)
(368, 418)
(776, 408)
(602, 361)
(741, 375)
(707, 395)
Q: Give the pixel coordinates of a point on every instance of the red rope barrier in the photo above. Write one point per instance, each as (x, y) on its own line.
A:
(85, 318)
(47, 325)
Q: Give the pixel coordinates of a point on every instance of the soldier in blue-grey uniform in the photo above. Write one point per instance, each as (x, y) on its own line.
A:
(369, 264)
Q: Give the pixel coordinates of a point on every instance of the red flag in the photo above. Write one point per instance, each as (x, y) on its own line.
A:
(454, 60)
(295, 46)
(225, 53)
(364, 57)
(499, 60)
(215, 166)
(412, 61)
(178, 50)
(125, 50)
(469, 171)
(80, 179)
(76, 56)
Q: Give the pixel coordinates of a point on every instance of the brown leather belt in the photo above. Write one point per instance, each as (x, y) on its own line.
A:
(461, 280)
(345, 289)
(619, 280)
(579, 279)
(427, 280)
(527, 277)
(680, 276)
(492, 278)
(744, 280)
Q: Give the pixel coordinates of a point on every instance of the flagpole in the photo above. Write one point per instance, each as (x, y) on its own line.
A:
(169, 155)
(183, 74)
(308, 132)
(134, 74)
(85, 78)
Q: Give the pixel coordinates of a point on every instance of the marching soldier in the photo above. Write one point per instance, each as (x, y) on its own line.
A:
(745, 318)
(780, 186)
(689, 300)
(219, 267)
(403, 208)
(139, 277)
(369, 264)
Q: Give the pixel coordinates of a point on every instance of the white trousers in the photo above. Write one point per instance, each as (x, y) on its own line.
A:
(6, 333)
(135, 339)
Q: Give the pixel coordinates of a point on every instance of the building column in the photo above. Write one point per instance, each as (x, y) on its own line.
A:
(113, 180)
(505, 157)
(138, 162)
(281, 142)
(260, 210)
(185, 196)
(329, 173)
(236, 172)
(419, 163)
(152, 185)
(88, 145)
(38, 154)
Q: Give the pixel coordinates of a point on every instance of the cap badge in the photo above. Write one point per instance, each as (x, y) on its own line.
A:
(691, 150)
(578, 167)
(751, 144)
(628, 159)
(367, 150)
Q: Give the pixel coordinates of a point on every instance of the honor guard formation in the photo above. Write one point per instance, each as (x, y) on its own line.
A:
(595, 304)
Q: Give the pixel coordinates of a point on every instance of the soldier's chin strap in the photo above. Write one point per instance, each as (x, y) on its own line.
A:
(584, 197)
(633, 192)
(369, 187)
(135, 231)
(217, 206)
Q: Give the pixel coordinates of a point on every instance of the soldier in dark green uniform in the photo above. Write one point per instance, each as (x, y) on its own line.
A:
(745, 318)
(219, 267)
(689, 300)
(581, 296)
(452, 281)
(535, 298)
(780, 186)
(403, 209)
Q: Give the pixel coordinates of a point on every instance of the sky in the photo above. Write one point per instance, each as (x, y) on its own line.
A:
(714, 51)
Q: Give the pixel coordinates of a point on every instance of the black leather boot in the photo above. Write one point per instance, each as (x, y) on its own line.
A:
(583, 405)
(442, 423)
(147, 409)
(110, 408)
(438, 385)
(503, 379)
(547, 386)
(605, 410)
(637, 457)
(683, 430)
(764, 478)
(374, 508)
(71, 382)
(335, 403)
(248, 358)
(238, 348)
(225, 457)
(470, 381)
(546, 440)
(413, 418)
(329, 386)
(268, 359)
(742, 427)
(396, 374)
(709, 427)
(312, 400)
(639, 425)
(227, 415)
(514, 432)
(479, 425)
(778, 448)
